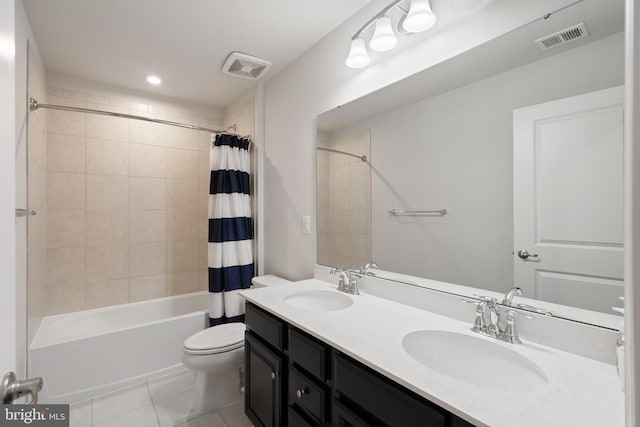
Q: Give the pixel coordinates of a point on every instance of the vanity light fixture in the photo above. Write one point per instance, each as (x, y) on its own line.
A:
(419, 17)
(154, 80)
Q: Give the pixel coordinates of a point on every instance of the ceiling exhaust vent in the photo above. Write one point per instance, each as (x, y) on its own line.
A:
(245, 66)
(562, 37)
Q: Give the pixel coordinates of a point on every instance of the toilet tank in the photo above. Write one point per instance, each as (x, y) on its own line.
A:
(268, 280)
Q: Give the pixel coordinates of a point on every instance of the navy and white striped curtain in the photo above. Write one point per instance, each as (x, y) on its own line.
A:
(230, 228)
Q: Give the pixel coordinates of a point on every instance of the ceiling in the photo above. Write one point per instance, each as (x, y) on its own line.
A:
(119, 42)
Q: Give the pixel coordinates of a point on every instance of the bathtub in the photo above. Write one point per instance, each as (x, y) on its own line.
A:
(84, 354)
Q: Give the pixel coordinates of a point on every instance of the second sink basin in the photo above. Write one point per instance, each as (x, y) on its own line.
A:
(474, 360)
(319, 300)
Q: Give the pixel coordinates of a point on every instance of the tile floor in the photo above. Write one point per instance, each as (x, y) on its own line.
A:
(162, 402)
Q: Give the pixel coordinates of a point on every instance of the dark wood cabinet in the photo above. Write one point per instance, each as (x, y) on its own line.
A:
(294, 379)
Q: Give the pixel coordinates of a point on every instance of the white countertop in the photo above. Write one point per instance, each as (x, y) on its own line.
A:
(581, 392)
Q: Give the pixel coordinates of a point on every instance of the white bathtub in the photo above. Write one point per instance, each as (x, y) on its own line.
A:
(82, 355)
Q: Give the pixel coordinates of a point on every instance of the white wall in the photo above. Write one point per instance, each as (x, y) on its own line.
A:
(454, 151)
(319, 81)
(8, 356)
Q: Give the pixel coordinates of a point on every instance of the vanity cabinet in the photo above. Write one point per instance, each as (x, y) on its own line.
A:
(294, 379)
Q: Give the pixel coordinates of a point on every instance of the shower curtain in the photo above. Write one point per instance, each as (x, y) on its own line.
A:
(230, 228)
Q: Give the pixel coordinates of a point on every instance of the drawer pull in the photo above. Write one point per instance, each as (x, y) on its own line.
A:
(302, 392)
(274, 375)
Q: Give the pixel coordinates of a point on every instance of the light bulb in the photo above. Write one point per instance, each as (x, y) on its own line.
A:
(420, 17)
(358, 56)
(154, 80)
(383, 37)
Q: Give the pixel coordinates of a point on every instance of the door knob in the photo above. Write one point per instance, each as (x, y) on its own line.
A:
(524, 254)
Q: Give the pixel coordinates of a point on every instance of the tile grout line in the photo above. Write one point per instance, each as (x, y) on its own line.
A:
(153, 404)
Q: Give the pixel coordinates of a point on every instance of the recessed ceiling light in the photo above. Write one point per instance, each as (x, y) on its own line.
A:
(154, 80)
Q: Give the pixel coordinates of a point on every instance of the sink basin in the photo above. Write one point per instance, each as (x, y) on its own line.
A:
(319, 300)
(474, 360)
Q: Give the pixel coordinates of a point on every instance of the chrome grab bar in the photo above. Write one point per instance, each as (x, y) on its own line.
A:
(24, 212)
(11, 389)
(396, 212)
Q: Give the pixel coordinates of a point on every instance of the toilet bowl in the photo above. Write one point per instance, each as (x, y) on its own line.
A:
(216, 355)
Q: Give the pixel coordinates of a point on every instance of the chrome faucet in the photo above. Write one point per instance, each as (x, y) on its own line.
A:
(508, 297)
(365, 269)
(492, 327)
(344, 279)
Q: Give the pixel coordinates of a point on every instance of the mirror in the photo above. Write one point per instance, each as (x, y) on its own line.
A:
(508, 148)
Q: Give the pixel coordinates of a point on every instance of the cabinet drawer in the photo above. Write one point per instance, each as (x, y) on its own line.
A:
(266, 326)
(297, 420)
(308, 353)
(306, 395)
(383, 399)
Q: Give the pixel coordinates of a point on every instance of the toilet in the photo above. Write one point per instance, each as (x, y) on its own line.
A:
(216, 355)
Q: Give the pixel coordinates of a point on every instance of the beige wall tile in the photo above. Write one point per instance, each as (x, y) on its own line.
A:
(148, 133)
(147, 160)
(107, 192)
(107, 227)
(203, 223)
(204, 141)
(182, 194)
(66, 122)
(147, 193)
(147, 287)
(107, 127)
(66, 153)
(183, 225)
(183, 282)
(147, 259)
(203, 254)
(203, 277)
(182, 256)
(66, 228)
(65, 266)
(204, 168)
(65, 299)
(182, 138)
(107, 262)
(203, 196)
(107, 157)
(182, 164)
(110, 292)
(148, 226)
(66, 190)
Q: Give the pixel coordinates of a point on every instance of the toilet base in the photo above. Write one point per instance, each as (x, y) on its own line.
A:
(215, 390)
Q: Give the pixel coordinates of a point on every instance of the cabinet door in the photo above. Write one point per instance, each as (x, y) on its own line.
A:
(263, 389)
(343, 417)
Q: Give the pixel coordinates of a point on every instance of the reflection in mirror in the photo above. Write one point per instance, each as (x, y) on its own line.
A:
(522, 146)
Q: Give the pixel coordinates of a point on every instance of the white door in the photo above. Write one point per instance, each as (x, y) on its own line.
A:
(8, 360)
(568, 200)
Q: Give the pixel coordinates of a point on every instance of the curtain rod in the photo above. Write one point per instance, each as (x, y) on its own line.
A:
(34, 105)
(363, 158)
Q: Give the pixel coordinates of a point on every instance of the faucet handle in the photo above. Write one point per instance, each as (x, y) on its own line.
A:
(510, 333)
(479, 324)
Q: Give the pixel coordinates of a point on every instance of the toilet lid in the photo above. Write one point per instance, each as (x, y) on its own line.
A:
(216, 339)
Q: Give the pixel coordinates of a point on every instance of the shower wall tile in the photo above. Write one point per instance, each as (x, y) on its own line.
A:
(182, 194)
(107, 262)
(147, 160)
(148, 226)
(66, 266)
(183, 225)
(107, 157)
(126, 200)
(182, 164)
(183, 282)
(182, 138)
(65, 299)
(147, 193)
(66, 153)
(107, 192)
(66, 190)
(147, 259)
(66, 228)
(107, 227)
(182, 256)
(147, 287)
(110, 292)
(147, 133)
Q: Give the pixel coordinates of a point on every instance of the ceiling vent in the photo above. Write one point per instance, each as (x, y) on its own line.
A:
(562, 37)
(245, 66)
